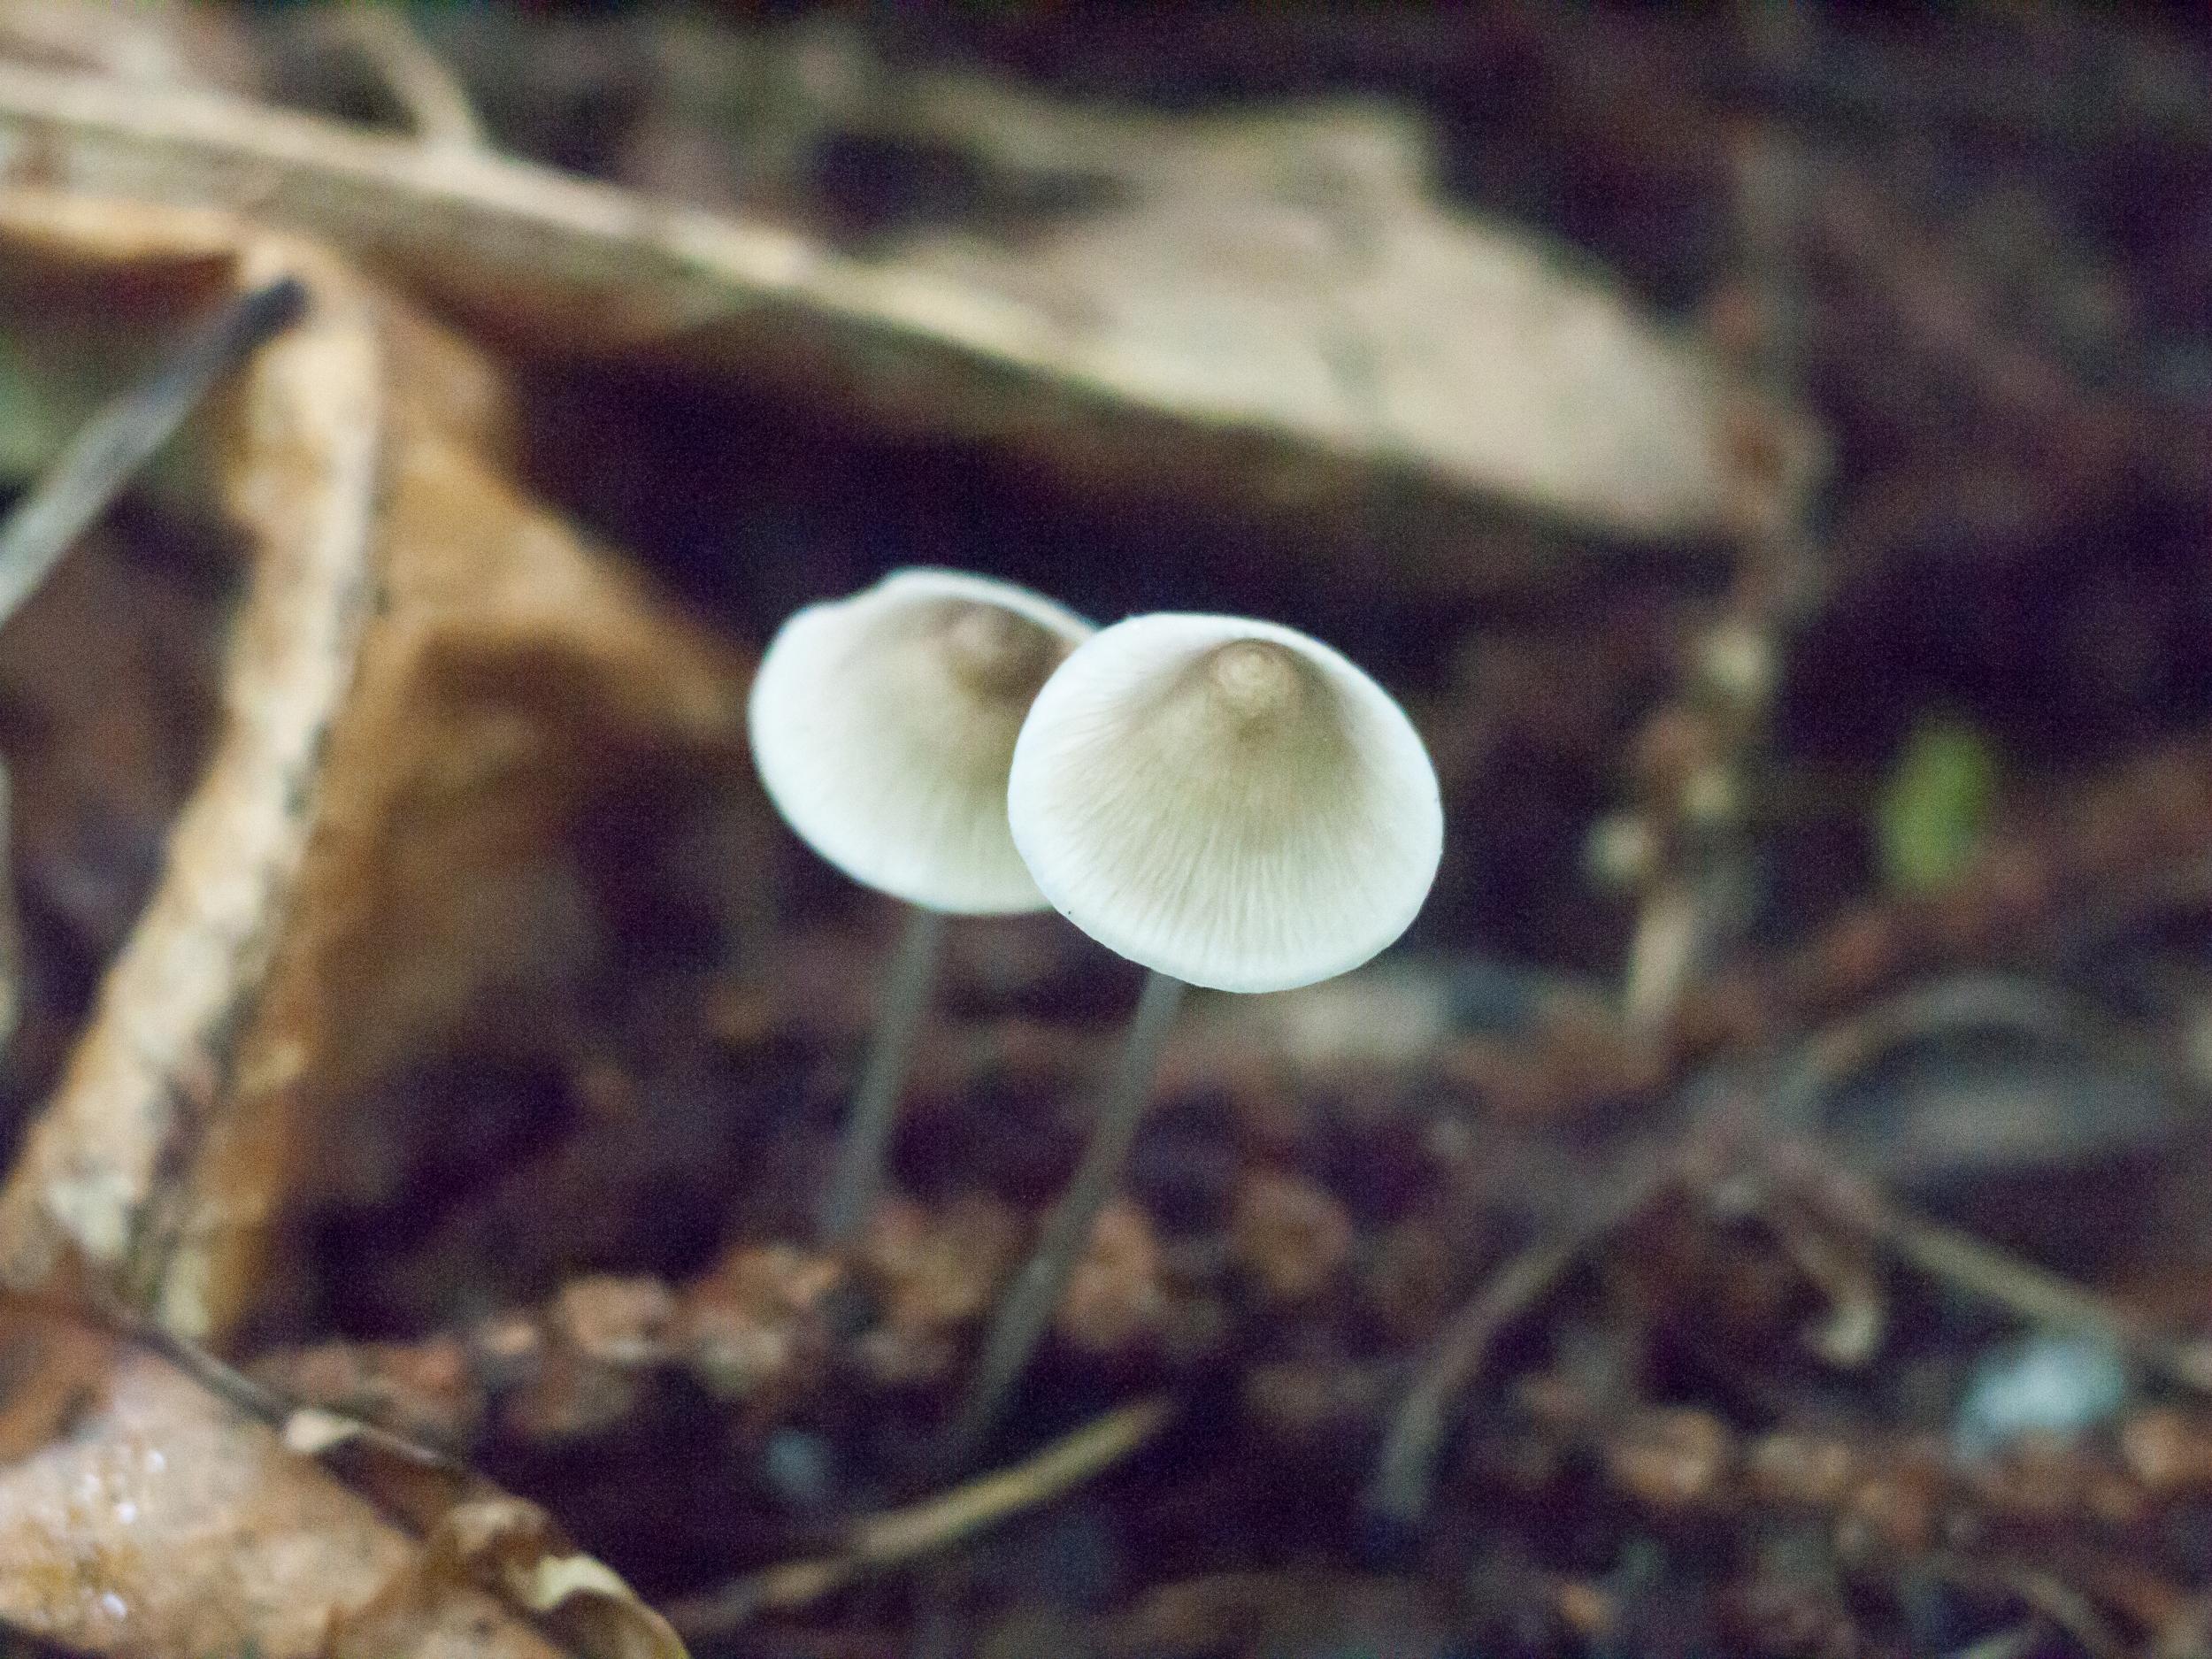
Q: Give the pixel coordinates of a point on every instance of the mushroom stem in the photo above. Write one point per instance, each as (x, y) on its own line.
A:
(875, 1110)
(1030, 1304)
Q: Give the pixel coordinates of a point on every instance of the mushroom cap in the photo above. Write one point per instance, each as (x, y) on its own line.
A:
(883, 724)
(1225, 800)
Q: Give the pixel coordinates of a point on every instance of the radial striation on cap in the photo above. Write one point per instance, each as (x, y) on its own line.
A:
(883, 724)
(1225, 800)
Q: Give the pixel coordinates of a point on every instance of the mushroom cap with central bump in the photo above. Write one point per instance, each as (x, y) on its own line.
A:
(883, 724)
(1225, 800)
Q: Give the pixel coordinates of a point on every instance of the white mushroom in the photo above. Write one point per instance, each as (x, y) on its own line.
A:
(883, 726)
(1232, 805)
(1226, 802)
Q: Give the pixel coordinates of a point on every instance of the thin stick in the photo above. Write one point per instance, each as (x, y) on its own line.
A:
(1406, 1470)
(1673, 932)
(903, 1535)
(1696, 911)
(415, 76)
(2030, 1293)
(1029, 1306)
(247, 1396)
(2042, 1593)
(875, 1110)
(107, 450)
(1969, 1004)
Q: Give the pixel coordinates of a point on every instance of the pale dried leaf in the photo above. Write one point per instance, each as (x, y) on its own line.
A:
(151, 1518)
(1288, 279)
(153, 43)
(1295, 271)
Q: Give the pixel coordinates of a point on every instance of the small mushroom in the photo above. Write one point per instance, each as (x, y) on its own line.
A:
(883, 726)
(1232, 805)
(1226, 802)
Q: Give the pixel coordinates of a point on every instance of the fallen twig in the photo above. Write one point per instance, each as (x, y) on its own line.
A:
(1988, 1274)
(416, 77)
(1405, 1473)
(109, 450)
(2043, 1594)
(900, 1536)
(1708, 747)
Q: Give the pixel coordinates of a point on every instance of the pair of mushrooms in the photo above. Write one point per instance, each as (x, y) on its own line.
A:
(1228, 802)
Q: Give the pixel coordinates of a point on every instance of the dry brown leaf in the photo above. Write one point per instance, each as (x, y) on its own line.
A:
(514, 1547)
(155, 1519)
(513, 676)
(92, 672)
(516, 676)
(300, 480)
(477, 1536)
(1280, 301)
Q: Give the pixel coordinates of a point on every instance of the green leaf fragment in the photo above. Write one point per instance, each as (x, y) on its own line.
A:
(1936, 806)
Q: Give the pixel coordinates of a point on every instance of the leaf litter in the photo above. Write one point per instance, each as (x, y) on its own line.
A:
(473, 1047)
